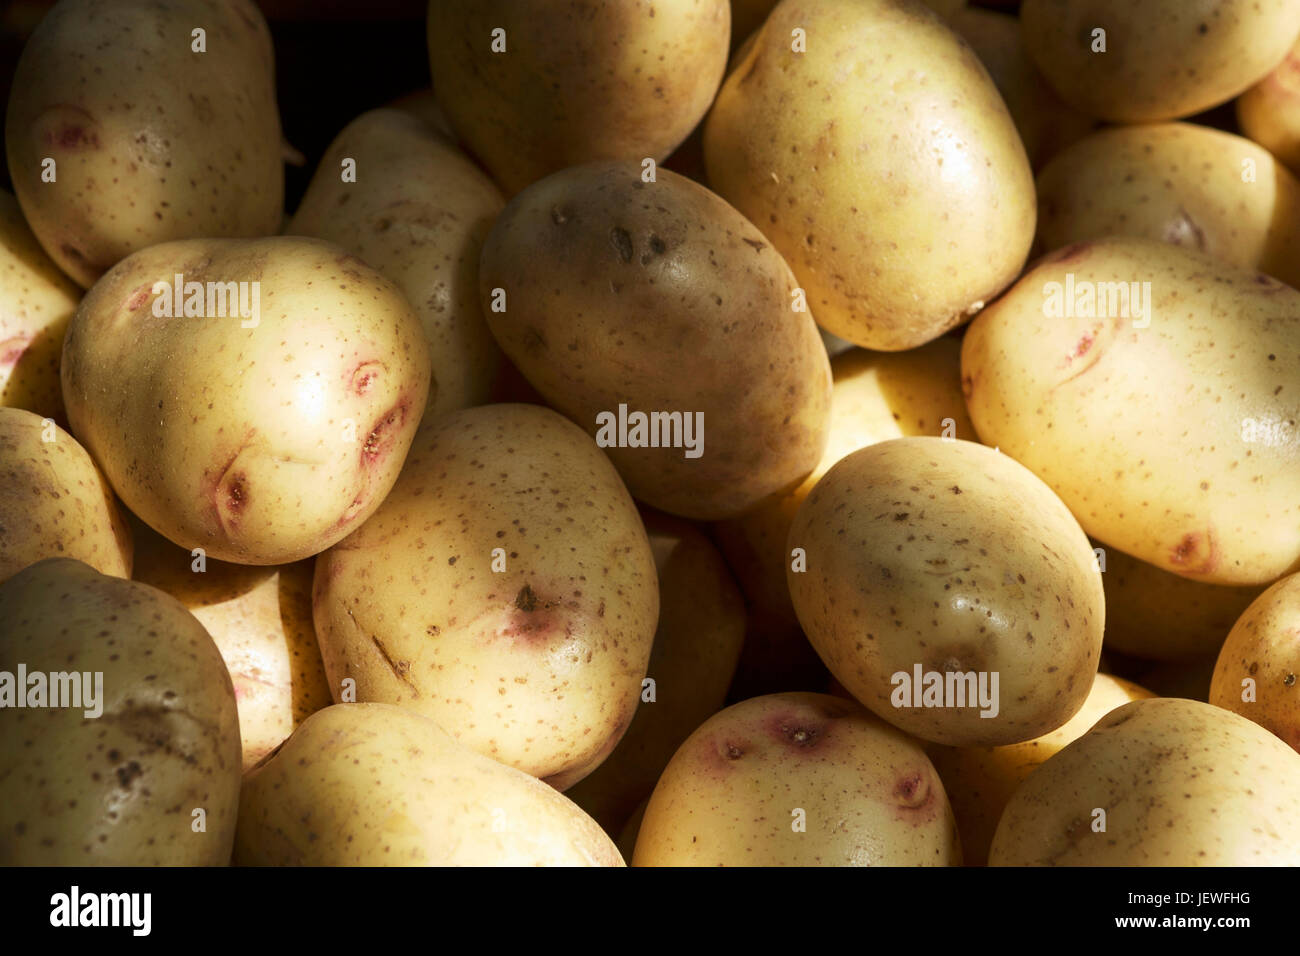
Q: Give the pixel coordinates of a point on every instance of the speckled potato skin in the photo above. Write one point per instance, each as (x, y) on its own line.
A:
(538, 666)
(152, 141)
(418, 213)
(55, 502)
(881, 163)
(1176, 183)
(662, 297)
(696, 645)
(119, 789)
(579, 82)
(1269, 112)
(1183, 784)
(260, 620)
(980, 780)
(870, 795)
(36, 302)
(953, 556)
(1164, 59)
(1264, 644)
(1153, 614)
(262, 445)
(1207, 486)
(379, 785)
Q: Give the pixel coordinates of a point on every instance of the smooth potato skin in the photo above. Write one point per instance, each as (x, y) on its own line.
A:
(262, 445)
(870, 795)
(881, 163)
(538, 666)
(418, 213)
(1183, 784)
(142, 160)
(953, 556)
(578, 82)
(1269, 112)
(1198, 487)
(378, 785)
(1264, 645)
(1164, 59)
(119, 789)
(55, 502)
(671, 301)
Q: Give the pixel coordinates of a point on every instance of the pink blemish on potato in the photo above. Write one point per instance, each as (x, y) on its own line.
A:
(798, 731)
(12, 349)
(1195, 553)
(139, 297)
(68, 127)
(383, 434)
(915, 796)
(226, 491)
(1087, 351)
(365, 375)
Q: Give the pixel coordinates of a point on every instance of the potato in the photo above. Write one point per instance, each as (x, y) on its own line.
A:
(54, 501)
(418, 212)
(881, 163)
(188, 147)
(505, 589)
(926, 559)
(620, 298)
(261, 439)
(566, 82)
(798, 780)
(260, 620)
(696, 644)
(1157, 615)
(1159, 59)
(1154, 389)
(36, 302)
(378, 785)
(134, 759)
(1159, 782)
(1256, 674)
(980, 780)
(1269, 112)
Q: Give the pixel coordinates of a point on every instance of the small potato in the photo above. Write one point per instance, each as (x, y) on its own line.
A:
(1269, 112)
(1159, 782)
(1155, 60)
(1074, 372)
(798, 780)
(1258, 671)
(54, 500)
(922, 560)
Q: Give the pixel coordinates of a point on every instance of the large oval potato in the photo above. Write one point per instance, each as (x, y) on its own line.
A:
(798, 780)
(1155, 390)
(566, 82)
(881, 163)
(1188, 185)
(505, 588)
(1269, 112)
(936, 564)
(620, 297)
(1156, 60)
(378, 785)
(1159, 782)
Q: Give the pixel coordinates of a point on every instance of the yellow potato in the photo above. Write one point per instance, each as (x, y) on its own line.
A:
(1159, 782)
(1156, 60)
(868, 143)
(1258, 671)
(1269, 112)
(377, 785)
(798, 780)
(505, 589)
(1154, 389)
(949, 591)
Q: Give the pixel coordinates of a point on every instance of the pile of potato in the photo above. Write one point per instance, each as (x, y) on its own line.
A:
(600, 461)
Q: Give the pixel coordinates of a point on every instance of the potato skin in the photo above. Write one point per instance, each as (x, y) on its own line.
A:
(538, 666)
(1264, 645)
(1207, 487)
(1269, 112)
(870, 795)
(578, 82)
(901, 204)
(951, 556)
(671, 301)
(1182, 783)
(1177, 183)
(1164, 59)
(138, 159)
